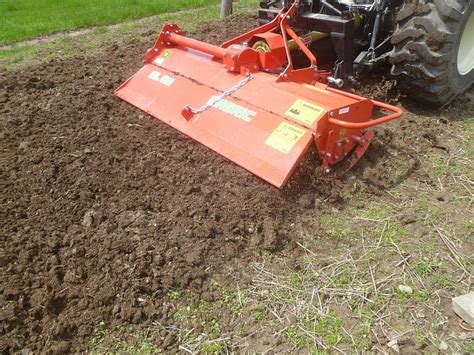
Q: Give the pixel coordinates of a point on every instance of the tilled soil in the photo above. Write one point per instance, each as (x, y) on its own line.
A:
(103, 207)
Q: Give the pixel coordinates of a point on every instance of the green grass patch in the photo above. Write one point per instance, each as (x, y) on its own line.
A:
(127, 339)
(25, 19)
(21, 55)
(470, 347)
(337, 227)
(328, 328)
(215, 347)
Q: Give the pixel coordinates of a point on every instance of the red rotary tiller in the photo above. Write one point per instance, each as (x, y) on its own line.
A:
(247, 101)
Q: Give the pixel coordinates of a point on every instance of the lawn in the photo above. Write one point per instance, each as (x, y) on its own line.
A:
(25, 19)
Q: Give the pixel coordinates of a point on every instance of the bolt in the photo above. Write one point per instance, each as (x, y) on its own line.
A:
(328, 155)
(331, 114)
(327, 171)
(285, 76)
(155, 49)
(336, 157)
(338, 82)
(232, 69)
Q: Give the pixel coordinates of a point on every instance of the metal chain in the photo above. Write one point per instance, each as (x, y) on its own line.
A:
(213, 100)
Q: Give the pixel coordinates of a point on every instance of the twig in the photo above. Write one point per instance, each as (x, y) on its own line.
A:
(373, 279)
(309, 251)
(182, 347)
(449, 245)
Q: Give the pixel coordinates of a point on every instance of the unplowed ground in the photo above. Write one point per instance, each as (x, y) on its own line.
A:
(120, 233)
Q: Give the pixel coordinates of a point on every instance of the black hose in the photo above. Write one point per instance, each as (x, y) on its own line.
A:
(376, 30)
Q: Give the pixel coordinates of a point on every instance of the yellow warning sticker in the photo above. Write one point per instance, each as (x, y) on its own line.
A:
(342, 133)
(315, 88)
(284, 137)
(305, 111)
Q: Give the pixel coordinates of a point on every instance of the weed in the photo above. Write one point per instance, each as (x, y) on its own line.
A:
(444, 282)
(424, 270)
(203, 307)
(181, 314)
(420, 338)
(215, 326)
(258, 314)
(213, 347)
(174, 295)
(295, 337)
(99, 335)
(327, 326)
(469, 347)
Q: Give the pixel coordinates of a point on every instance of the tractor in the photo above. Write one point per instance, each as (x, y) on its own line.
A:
(429, 44)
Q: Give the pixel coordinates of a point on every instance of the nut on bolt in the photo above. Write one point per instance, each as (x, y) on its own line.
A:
(336, 81)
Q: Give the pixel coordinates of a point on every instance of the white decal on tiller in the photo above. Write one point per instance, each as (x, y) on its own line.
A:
(166, 80)
(162, 79)
(154, 75)
(344, 110)
(233, 109)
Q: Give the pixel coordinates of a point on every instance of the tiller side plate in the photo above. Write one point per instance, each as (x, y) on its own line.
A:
(227, 99)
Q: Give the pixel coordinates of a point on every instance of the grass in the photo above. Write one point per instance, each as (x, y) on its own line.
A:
(26, 19)
(128, 340)
(21, 55)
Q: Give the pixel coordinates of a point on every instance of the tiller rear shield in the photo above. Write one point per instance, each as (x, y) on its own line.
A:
(230, 99)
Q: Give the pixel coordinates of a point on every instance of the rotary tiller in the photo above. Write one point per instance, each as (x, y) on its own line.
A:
(248, 101)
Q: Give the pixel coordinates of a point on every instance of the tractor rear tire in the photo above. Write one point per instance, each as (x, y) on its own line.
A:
(433, 54)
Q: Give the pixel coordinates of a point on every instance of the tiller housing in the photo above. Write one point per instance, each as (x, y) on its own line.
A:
(248, 102)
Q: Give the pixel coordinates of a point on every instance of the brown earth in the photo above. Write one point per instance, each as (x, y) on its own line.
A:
(103, 207)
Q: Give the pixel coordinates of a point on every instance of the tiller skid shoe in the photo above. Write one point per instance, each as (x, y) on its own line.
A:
(248, 103)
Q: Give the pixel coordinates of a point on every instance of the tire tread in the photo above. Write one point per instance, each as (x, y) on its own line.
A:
(423, 43)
